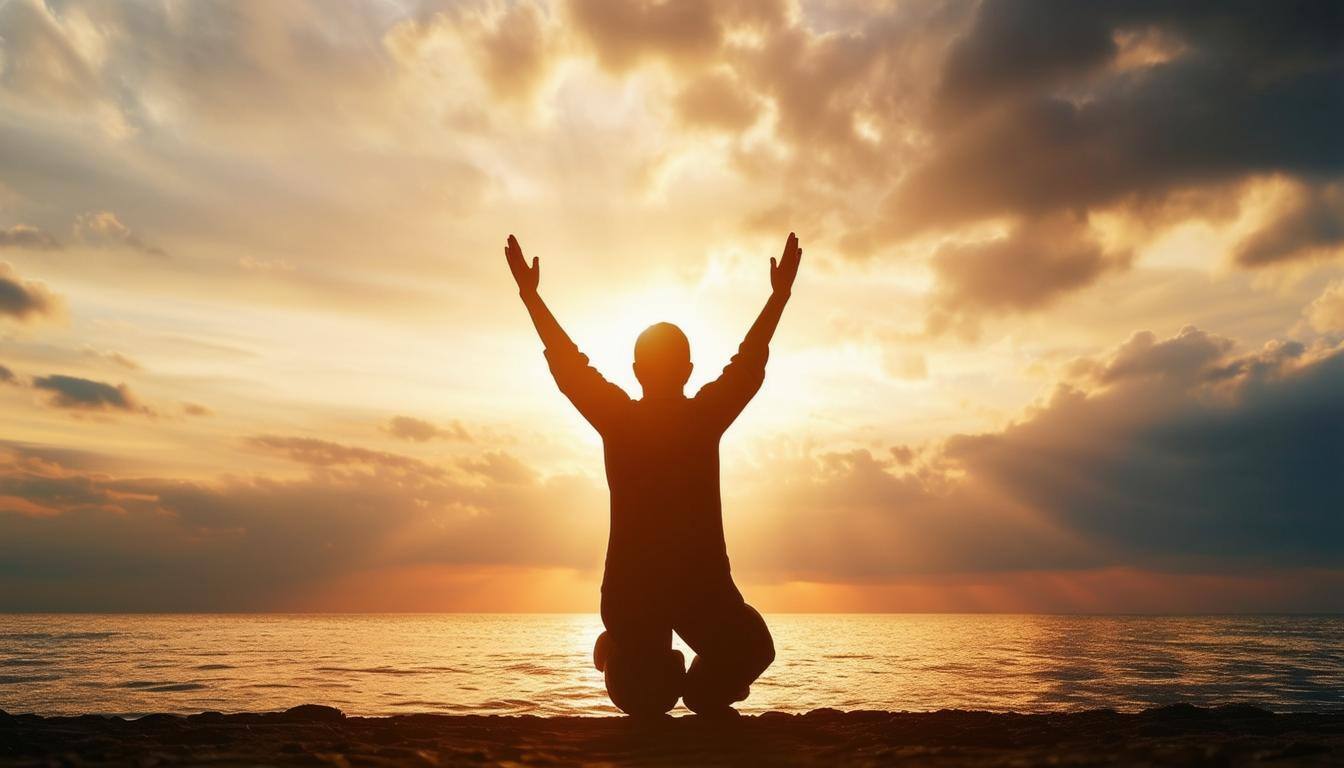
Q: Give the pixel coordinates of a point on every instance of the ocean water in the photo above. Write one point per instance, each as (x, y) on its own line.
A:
(541, 664)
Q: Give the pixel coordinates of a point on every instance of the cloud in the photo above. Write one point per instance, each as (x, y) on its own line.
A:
(1311, 226)
(1187, 458)
(1326, 313)
(25, 300)
(7, 376)
(717, 100)
(873, 123)
(513, 50)
(44, 65)
(1182, 358)
(922, 119)
(623, 35)
(104, 229)
(419, 430)
(80, 540)
(1179, 455)
(1012, 46)
(1034, 121)
(500, 467)
(25, 236)
(1030, 268)
(324, 453)
(220, 65)
(111, 356)
(196, 409)
(76, 393)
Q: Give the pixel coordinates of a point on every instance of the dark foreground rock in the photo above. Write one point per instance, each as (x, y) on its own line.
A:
(316, 735)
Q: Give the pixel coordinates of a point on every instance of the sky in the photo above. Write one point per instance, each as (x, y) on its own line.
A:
(1068, 336)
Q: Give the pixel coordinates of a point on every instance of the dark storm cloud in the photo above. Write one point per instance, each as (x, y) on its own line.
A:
(79, 540)
(7, 376)
(1018, 45)
(1175, 454)
(25, 236)
(1188, 458)
(1312, 225)
(86, 394)
(1036, 117)
(24, 299)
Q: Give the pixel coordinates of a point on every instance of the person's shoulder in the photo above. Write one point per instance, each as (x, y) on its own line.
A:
(703, 404)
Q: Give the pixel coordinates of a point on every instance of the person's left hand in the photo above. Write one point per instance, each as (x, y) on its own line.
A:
(782, 274)
(527, 277)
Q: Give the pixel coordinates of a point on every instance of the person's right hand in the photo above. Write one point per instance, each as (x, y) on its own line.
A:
(782, 274)
(526, 277)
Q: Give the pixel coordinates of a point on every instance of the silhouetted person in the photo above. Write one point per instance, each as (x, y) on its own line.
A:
(667, 564)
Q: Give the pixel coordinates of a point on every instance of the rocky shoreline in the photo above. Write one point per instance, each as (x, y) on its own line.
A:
(318, 735)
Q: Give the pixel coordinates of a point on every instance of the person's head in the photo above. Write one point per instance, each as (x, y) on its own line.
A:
(662, 359)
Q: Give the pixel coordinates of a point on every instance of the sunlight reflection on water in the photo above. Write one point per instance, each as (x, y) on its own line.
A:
(541, 664)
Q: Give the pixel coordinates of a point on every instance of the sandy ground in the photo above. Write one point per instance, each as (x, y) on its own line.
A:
(314, 735)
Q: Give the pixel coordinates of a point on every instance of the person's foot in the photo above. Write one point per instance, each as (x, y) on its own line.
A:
(700, 705)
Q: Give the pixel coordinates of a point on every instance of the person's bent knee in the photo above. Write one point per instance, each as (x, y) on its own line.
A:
(644, 684)
(761, 650)
(764, 656)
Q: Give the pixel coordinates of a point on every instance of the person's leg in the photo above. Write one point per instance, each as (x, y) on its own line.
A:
(732, 647)
(642, 672)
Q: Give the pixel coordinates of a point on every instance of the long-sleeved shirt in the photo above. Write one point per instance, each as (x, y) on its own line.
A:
(662, 461)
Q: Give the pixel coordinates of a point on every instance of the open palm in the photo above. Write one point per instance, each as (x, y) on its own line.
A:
(782, 274)
(528, 278)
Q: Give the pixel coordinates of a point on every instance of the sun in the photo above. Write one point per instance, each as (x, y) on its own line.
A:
(607, 332)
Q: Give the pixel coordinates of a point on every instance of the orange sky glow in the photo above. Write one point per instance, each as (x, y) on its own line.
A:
(1070, 335)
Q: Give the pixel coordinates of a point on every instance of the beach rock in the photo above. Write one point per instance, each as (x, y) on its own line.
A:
(1249, 711)
(314, 713)
(206, 717)
(157, 719)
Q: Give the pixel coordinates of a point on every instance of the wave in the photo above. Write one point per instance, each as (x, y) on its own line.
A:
(160, 686)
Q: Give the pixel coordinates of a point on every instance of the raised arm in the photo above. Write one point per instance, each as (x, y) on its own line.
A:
(596, 398)
(529, 279)
(782, 275)
(726, 396)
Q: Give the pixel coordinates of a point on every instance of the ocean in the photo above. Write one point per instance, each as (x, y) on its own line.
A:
(377, 664)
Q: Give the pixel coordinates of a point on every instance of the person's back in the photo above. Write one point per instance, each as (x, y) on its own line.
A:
(667, 564)
(666, 525)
